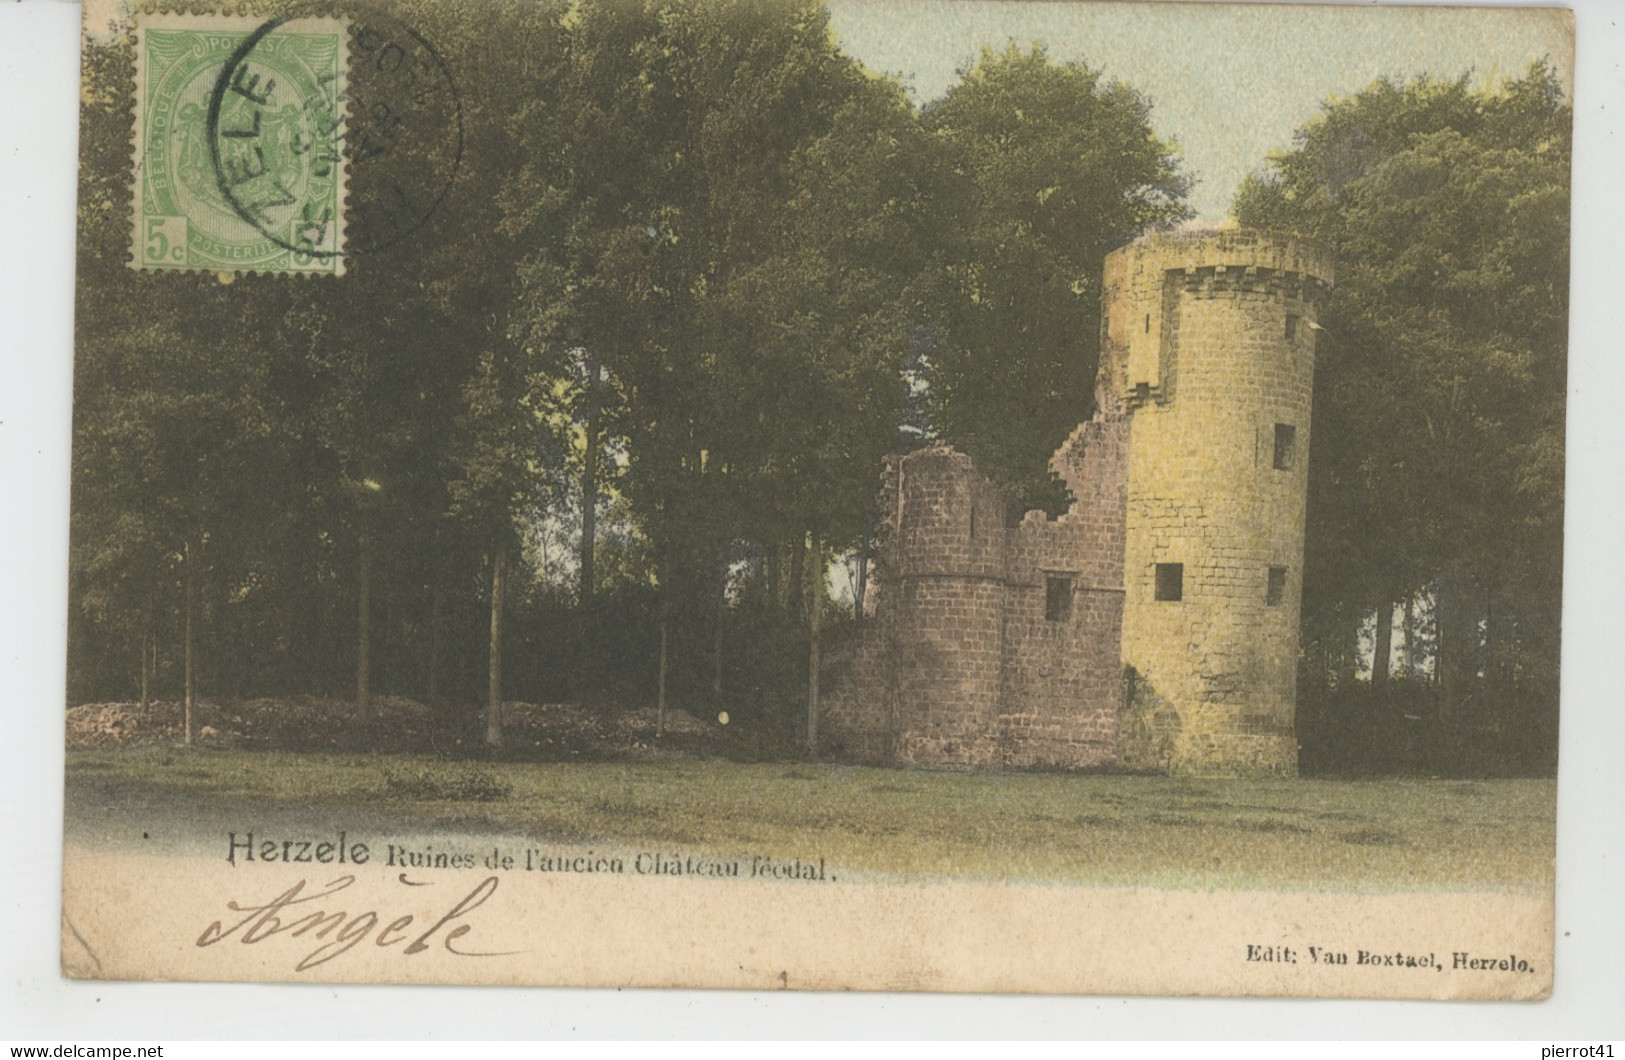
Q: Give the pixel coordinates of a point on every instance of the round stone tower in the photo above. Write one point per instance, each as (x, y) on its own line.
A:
(945, 581)
(1210, 352)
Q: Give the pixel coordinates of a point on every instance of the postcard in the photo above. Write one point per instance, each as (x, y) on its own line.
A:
(900, 495)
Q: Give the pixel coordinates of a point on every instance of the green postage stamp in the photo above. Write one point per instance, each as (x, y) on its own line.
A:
(239, 144)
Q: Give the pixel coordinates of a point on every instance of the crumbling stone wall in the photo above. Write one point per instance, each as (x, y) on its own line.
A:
(973, 657)
(1057, 643)
(1062, 689)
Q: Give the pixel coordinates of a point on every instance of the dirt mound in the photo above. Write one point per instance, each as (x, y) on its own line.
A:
(395, 723)
(104, 724)
(293, 721)
(576, 729)
(644, 722)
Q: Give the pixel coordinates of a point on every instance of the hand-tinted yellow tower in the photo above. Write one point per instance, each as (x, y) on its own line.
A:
(1210, 353)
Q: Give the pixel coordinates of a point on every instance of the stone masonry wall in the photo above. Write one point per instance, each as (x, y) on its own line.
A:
(1212, 674)
(963, 663)
(1062, 680)
(1045, 643)
(941, 585)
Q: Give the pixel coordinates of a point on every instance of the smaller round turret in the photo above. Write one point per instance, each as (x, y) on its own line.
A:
(946, 587)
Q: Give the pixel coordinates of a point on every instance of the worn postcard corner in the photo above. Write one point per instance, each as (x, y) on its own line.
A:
(849, 495)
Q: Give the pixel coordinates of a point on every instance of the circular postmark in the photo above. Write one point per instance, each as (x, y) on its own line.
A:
(328, 157)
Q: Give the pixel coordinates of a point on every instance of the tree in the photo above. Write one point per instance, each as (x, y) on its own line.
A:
(276, 460)
(731, 244)
(174, 430)
(1438, 423)
(1046, 169)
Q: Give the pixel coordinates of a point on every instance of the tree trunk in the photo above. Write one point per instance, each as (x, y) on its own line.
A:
(589, 495)
(189, 651)
(771, 588)
(815, 611)
(660, 700)
(363, 657)
(798, 562)
(1497, 645)
(146, 668)
(1347, 651)
(493, 710)
(861, 590)
(1382, 652)
(1458, 643)
(716, 636)
(1411, 670)
(437, 646)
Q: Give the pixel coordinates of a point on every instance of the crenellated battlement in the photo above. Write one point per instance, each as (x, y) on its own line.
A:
(1228, 248)
(1150, 283)
(1213, 281)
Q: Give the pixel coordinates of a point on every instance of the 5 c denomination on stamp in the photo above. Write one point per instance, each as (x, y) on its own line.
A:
(239, 144)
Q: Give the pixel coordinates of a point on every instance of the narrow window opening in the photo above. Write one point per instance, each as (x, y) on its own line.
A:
(1057, 599)
(1276, 592)
(1291, 326)
(1148, 323)
(1170, 581)
(1286, 440)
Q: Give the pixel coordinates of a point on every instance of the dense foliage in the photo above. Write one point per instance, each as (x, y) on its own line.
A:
(1048, 169)
(622, 399)
(1436, 471)
(654, 391)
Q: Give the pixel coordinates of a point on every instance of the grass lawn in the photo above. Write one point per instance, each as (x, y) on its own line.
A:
(1368, 835)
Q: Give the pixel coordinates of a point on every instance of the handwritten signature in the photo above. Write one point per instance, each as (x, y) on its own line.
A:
(341, 931)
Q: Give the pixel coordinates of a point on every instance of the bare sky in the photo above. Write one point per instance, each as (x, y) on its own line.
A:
(1228, 82)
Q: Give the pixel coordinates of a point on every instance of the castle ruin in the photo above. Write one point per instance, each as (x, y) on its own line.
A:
(1154, 625)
